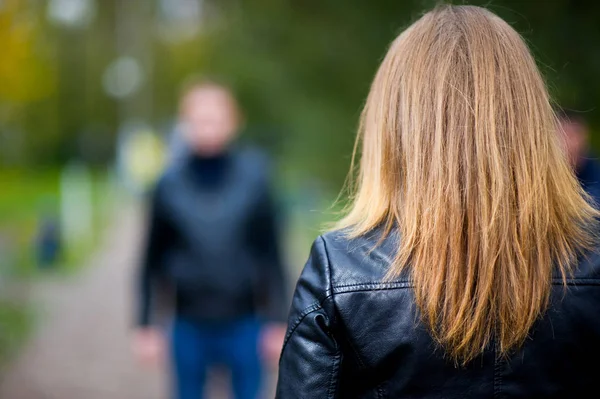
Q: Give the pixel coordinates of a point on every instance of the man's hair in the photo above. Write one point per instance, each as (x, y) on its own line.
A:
(195, 82)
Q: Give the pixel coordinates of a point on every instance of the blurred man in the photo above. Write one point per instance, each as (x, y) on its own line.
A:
(213, 241)
(587, 167)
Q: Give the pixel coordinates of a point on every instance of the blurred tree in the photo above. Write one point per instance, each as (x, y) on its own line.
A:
(302, 69)
(24, 73)
(305, 67)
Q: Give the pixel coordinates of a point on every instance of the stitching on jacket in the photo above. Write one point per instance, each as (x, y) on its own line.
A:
(333, 320)
(395, 284)
(377, 286)
(368, 287)
(308, 310)
(318, 304)
(334, 372)
(409, 284)
(327, 266)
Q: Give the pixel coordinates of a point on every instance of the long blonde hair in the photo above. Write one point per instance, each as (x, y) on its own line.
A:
(460, 152)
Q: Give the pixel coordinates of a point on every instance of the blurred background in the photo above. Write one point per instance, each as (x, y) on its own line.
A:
(89, 91)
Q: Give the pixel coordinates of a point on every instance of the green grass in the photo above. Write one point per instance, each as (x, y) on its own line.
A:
(15, 325)
(22, 197)
(26, 196)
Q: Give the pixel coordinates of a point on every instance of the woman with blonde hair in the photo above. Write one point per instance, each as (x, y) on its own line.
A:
(463, 268)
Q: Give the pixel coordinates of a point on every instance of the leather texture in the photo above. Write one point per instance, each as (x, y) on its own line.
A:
(353, 335)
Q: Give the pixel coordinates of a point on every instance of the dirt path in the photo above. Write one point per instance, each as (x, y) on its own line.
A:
(81, 349)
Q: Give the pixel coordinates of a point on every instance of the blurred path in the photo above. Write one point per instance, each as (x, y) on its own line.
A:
(81, 346)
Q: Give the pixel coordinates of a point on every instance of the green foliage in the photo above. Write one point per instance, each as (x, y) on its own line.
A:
(305, 67)
(27, 197)
(302, 70)
(15, 324)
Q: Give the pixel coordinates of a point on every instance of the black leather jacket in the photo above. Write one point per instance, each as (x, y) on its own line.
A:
(213, 241)
(351, 335)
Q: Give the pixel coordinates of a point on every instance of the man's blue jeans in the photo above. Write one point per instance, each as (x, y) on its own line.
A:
(196, 347)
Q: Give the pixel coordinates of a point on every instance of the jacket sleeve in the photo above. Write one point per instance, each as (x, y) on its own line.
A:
(311, 358)
(265, 237)
(157, 241)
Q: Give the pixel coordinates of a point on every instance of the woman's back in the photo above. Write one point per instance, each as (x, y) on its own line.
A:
(353, 334)
(456, 271)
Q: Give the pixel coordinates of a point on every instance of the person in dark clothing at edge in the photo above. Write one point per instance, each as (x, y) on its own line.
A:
(577, 134)
(213, 243)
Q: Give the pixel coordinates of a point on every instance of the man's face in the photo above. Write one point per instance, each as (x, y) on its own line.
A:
(576, 140)
(210, 119)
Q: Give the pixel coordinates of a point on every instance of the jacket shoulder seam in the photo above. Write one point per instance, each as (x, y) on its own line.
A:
(377, 282)
(375, 286)
(327, 265)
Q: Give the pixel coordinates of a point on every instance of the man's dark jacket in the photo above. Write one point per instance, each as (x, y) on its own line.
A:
(213, 241)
